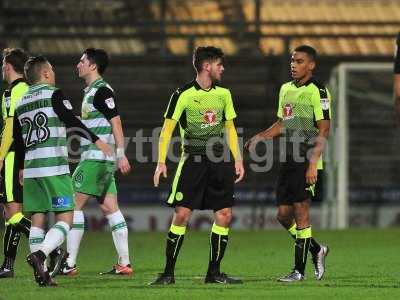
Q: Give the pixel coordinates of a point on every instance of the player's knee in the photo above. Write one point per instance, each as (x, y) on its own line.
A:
(224, 218)
(282, 218)
(181, 219)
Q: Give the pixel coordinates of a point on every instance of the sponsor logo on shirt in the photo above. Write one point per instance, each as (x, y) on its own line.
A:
(110, 103)
(287, 111)
(209, 119)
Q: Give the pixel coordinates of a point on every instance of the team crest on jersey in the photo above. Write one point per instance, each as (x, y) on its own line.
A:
(67, 104)
(209, 118)
(287, 111)
(110, 103)
(78, 179)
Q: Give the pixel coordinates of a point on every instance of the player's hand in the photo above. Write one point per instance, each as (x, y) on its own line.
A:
(124, 165)
(21, 177)
(251, 144)
(1, 164)
(161, 169)
(106, 149)
(239, 170)
(311, 174)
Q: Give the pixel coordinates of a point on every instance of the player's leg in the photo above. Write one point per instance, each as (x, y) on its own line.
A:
(292, 191)
(302, 242)
(219, 198)
(85, 184)
(16, 222)
(186, 194)
(36, 238)
(119, 231)
(52, 240)
(11, 239)
(75, 235)
(218, 242)
(48, 194)
(174, 243)
(285, 217)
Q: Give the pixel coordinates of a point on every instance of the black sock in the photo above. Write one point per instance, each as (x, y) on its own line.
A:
(174, 243)
(315, 247)
(302, 246)
(24, 226)
(10, 246)
(218, 245)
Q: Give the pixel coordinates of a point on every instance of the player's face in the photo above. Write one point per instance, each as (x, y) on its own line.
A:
(216, 69)
(84, 66)
(301, 65)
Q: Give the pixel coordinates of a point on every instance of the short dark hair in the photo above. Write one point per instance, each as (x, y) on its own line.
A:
(202, 54)
(310, 51)
(98, 57)
(33, 67)
(16, 57)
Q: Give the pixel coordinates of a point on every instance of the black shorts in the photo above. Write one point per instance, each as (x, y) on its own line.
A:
(292, 186)
(10, 189)
(202, 184)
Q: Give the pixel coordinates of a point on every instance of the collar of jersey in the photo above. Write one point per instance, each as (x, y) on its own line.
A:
(16, 81)
(38, 86)
(93, 84)
(311, 80)
(198, 87)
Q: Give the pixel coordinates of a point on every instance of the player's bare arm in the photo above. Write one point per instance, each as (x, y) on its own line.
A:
(123, 162)
(316, 152)
(269, 133)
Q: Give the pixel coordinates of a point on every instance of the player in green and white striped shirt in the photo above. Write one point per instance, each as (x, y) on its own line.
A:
(94, 176)
(42, 116)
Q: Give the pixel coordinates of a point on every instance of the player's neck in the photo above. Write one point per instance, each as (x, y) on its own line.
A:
(12, 77)
(204, 81)
(90, 78)
(303, 80)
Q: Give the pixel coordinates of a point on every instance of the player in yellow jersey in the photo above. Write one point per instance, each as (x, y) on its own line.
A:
(11, 189)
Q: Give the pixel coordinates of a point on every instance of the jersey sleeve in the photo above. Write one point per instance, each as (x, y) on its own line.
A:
(175, 107)
(279, 110)
(321, 101)
(397, 56)
(229, 108)
(63, 108)
(18, 140)
(104, 102)
(16, 94)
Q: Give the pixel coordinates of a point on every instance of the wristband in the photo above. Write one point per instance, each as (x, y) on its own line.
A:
(120, 153)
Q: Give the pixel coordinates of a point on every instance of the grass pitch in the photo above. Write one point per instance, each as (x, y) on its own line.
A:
(362, 264)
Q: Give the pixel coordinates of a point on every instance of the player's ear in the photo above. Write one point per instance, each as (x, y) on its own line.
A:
(312, 65)
(206, 65)
(93, 67)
